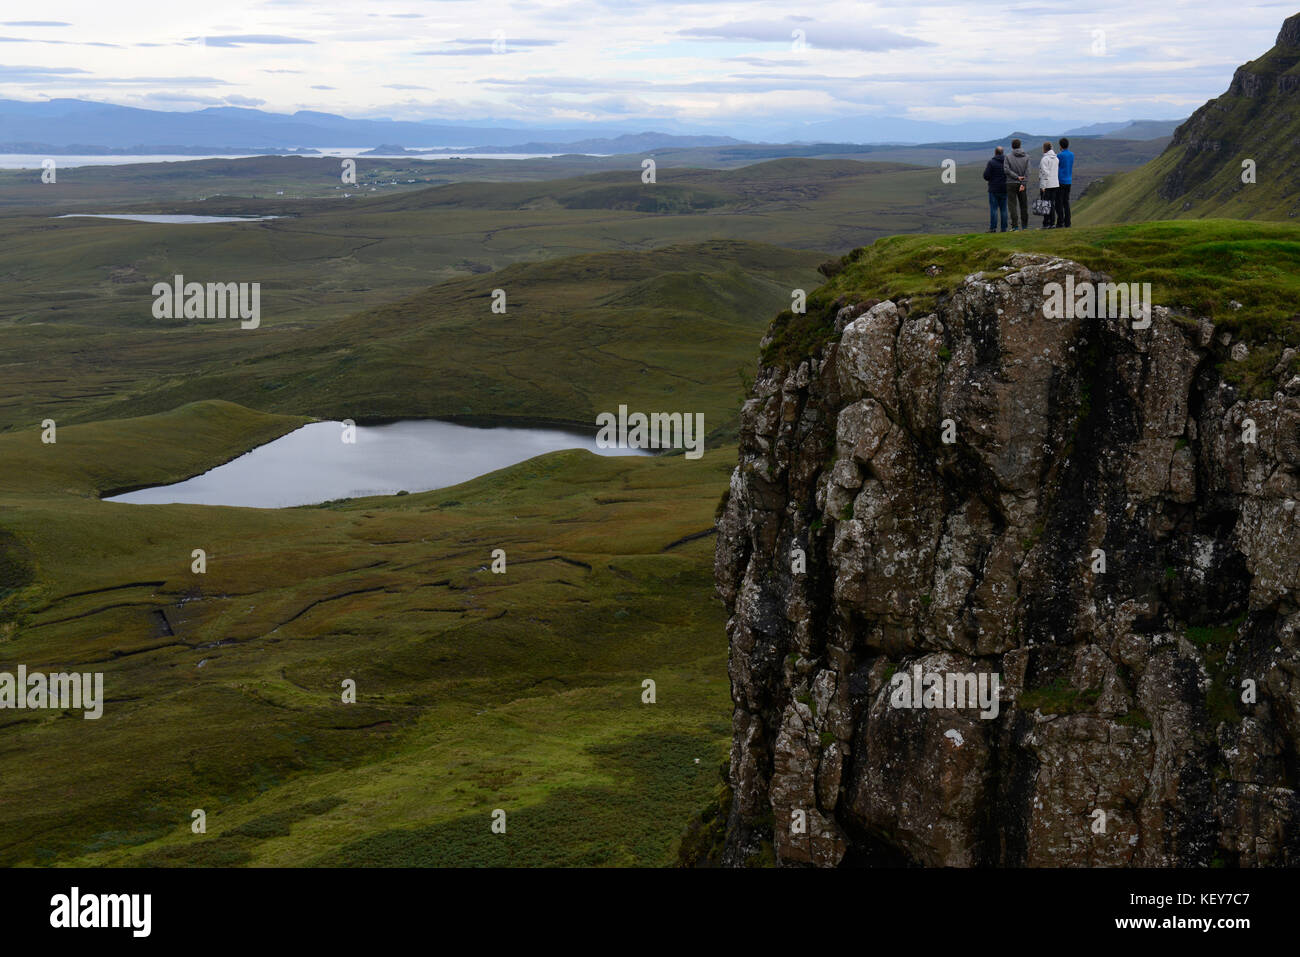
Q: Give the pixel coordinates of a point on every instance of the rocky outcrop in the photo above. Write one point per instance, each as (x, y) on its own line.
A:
(1269, 74)
(1079, 507)
(1288, 38)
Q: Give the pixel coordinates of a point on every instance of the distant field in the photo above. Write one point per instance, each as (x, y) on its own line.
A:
(281, 179)
(331, 256)
(275, 179)
(88, 282)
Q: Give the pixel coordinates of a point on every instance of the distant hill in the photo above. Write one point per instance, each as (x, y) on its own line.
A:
(61, 127)
(1200, 174)
(895, 131)
(1129, 130)
(1144, 130)
(613, 145)
(55, 125)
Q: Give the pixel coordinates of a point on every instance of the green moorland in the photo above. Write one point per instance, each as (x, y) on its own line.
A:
(329, 257)
(675, 328)
(76, 322)
(1245, 276)
(76, 299)
(475, 691)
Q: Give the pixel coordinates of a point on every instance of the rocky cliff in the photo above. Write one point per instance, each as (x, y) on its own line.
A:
(1254, 119)
(1085, 510)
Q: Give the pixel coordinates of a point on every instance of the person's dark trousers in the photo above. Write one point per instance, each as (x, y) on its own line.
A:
(997, 204)
(1050, 194)
(1018, 200)
(1061, 204)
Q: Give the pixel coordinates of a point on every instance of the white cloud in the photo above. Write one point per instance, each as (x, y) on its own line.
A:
(727, 65)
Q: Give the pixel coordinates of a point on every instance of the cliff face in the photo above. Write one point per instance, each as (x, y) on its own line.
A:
(1255, 119)
(938, 490)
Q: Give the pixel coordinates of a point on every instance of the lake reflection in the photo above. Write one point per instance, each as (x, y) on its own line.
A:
(313, 464)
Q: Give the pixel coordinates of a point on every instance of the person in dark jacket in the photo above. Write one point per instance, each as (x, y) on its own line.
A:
(1064, 176)
(995, 172)
(1017, 164)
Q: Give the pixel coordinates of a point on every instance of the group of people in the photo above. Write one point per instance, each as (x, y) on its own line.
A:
(1008, 178)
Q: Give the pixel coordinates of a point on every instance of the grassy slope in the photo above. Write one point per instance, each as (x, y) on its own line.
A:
(1134, 196)
(476, 691)
(672, 330)
(1199, 174)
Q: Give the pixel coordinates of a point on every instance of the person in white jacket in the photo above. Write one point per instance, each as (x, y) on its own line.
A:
(1047, 181)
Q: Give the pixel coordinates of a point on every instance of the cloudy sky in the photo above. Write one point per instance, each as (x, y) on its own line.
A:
(730, 67)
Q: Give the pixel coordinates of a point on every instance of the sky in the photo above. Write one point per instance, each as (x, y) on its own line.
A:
(726, 67)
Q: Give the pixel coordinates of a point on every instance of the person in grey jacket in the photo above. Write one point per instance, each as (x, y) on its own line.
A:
(1017, 163)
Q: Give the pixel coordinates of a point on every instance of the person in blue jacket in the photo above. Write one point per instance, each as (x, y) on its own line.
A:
(1064, 175)
(995, 172)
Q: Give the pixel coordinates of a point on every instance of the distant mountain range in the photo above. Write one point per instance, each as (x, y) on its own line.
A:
(63, 126)
(1130, 130)
(1234, 157)
(57, 124)
(875, 130)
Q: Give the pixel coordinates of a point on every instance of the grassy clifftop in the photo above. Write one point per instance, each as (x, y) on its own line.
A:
(1198, 268)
